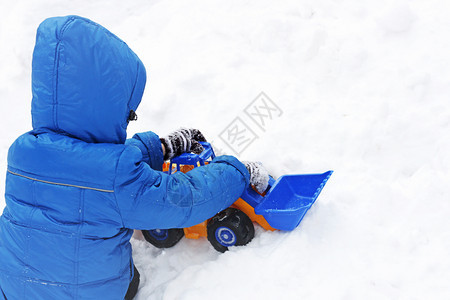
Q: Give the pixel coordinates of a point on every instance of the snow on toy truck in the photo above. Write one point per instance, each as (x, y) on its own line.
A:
(281, 207)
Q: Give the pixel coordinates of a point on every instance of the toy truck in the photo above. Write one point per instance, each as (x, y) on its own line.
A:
(281, 207)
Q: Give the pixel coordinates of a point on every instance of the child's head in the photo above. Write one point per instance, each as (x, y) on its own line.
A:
(85, 80)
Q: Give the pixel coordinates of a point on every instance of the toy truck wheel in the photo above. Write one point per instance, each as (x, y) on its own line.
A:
(230, 227)
(163, 238)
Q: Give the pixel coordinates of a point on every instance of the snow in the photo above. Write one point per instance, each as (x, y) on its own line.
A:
(363, 87)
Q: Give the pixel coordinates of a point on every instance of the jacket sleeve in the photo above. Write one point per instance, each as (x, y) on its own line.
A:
(149, 199)
(151, 149)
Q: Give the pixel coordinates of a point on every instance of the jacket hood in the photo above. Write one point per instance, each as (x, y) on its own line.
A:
(85, 81)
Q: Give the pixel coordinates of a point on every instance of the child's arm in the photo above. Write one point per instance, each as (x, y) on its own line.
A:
(148, 199)
(151, 148)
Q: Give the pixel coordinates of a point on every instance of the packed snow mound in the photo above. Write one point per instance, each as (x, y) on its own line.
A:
(359, 87)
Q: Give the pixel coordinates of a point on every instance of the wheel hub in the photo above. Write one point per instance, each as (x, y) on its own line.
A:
(225, 236)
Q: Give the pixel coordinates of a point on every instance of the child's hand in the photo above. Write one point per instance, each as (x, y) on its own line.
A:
(259, 177)
(181, 141)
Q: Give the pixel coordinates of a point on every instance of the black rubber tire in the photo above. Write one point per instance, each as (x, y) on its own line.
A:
(134, 285)
(169, 239)
(230, 227)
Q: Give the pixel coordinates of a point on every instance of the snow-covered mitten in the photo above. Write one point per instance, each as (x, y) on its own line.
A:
(181, 141)
(259, 177)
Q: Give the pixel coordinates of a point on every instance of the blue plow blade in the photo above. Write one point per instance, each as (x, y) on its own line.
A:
(289, 198)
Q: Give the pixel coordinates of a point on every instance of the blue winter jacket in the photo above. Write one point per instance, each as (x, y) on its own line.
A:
(75, 187)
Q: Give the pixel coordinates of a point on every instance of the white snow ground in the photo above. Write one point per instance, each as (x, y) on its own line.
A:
(364, 88)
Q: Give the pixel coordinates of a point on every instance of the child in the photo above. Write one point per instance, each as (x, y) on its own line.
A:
(75, 187)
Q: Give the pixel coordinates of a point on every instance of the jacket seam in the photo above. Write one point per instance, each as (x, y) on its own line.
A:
(3, 293)
(61, 184)
(55, 85)
(26, 254)
(114, 186)
(77, 245)
(124, 272)
(45, 229)
(56, 72)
